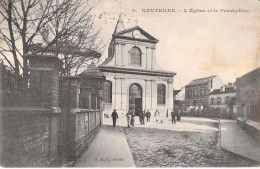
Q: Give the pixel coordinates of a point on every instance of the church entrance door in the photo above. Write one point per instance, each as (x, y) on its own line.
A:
(138, 106)
(135, 98)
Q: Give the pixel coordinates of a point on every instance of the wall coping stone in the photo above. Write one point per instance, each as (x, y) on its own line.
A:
(241, 119)
(254, 124)
(88, 110)
(75, 110)
(30, 110)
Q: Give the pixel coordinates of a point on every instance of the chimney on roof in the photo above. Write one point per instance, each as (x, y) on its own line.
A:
(222, 89)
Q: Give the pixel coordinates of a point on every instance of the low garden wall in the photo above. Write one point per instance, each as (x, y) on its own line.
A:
(209, 113)
(251, 127)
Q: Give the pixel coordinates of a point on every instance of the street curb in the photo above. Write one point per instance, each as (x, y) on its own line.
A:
(241, 156)
(129, 148)
(235, 154)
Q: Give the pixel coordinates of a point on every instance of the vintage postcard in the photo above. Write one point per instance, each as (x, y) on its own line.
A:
(129, 83)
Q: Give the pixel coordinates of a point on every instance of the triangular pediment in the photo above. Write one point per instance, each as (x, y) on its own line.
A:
(135, 33)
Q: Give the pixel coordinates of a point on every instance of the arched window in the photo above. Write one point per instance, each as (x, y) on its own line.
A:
(160, 94)
(135, 56)
(107, 92)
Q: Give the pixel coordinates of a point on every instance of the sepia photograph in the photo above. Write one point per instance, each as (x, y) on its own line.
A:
(129, 83)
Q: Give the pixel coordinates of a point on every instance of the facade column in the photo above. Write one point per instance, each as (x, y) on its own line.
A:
(115, 94)
(145, 94)
(151, 94)
(117, 55)
(153, 58)
(122, 55)
(170, 93)
(121, 93)
(146, 57)
(154, 94)
(124, 94)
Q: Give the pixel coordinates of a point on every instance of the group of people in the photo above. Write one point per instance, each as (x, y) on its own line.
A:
(175, 114)
(131, 117)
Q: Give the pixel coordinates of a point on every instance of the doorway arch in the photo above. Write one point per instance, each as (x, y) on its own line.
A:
(135, 98)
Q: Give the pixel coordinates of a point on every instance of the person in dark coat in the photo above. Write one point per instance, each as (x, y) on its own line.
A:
(173, 117)
(148, 115)
(179, 115)
(142, 117)
(133, 118)
(114, 116)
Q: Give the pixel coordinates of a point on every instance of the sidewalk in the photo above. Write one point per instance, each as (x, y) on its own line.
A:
(235, 140)
(108, 149)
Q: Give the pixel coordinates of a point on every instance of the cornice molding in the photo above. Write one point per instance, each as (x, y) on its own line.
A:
(136, 71)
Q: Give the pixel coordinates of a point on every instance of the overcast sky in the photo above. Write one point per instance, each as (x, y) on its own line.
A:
(194, 45)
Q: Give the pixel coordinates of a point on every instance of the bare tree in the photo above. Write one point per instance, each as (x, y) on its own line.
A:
(61, 26)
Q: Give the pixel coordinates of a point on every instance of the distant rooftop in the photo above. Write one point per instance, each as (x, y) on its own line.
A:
(176, 92)
(92, 71)
(227, 90)
(200, 81)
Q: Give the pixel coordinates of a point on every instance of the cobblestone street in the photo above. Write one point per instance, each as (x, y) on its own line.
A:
(167, 145)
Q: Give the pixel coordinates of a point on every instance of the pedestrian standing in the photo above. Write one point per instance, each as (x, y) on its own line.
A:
(148, 115)
(173, 117)
(114, 116)
(179, 115)
(142, 118)
(156, 115)
(128, 117)
(133, 118)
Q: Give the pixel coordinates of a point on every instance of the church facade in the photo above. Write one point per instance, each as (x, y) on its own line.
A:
(134, 81)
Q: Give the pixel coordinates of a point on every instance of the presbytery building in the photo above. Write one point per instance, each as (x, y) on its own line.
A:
(198, 90)
(134, 81)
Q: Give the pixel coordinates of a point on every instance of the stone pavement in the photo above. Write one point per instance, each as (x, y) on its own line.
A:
(192, 142)
(108, 149)
(235, 140)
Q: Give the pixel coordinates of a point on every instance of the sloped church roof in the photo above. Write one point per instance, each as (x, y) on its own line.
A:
(122, 33)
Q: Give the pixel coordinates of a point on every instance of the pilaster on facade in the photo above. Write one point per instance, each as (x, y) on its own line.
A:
(153, 95)
(117, 54)
(122, 55)
(146, 56)
(153, 58)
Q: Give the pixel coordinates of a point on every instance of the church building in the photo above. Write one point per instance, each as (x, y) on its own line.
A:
(134, 81)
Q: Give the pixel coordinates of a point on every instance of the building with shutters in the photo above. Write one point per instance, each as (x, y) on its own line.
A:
(221, 98)
(198, 90)
(134, 81)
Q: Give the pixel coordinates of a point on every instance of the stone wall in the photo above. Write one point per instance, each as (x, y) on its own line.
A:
(53, 129)
(29, 138)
